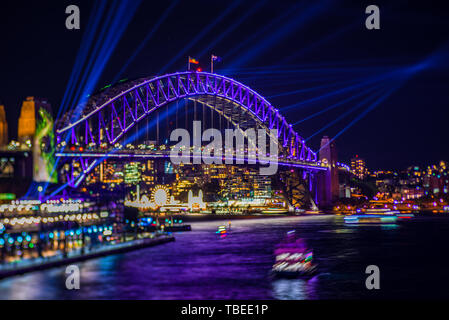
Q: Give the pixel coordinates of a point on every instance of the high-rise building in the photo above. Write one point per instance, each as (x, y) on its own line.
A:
(3, 127)
(111, 172)
(262, 186)
(358, 167)
(30, 113)
(132, 173)
(36, 130)
(149, 173)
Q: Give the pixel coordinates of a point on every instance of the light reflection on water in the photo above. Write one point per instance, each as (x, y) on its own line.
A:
(202, 265)
(294, 289)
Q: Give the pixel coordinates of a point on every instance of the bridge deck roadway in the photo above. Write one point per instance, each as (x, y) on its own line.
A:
(164, 155)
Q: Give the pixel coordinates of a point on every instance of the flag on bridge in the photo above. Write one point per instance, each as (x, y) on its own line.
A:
(193, 60)
(212, 59)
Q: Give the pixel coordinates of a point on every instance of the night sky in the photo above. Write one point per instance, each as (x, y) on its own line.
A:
(274, 47)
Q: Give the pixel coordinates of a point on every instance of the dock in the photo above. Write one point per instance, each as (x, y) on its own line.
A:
(37, 264)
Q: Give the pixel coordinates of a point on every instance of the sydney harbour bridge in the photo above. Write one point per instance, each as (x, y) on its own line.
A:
(109, 122)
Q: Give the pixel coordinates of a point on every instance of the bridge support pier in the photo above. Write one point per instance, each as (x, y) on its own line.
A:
(328, 185)
(300, 188)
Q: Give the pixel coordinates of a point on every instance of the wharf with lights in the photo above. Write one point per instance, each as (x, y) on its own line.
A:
(38, 234)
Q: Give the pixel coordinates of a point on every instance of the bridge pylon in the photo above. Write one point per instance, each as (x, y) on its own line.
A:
(328, 184)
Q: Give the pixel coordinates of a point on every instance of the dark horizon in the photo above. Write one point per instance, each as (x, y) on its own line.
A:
(306, 46)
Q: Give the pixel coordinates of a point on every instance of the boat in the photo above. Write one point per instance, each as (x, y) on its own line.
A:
(223, 231)
(311, 212)
(405, 215)
(371, 218)
(374, 216)
(275, 211)
(381, 211)
(293, 259)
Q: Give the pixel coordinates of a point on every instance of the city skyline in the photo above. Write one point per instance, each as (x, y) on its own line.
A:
(381, 129)
(224, 151)
(30, 127)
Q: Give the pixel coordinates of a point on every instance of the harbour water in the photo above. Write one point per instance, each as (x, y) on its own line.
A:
(200, 264)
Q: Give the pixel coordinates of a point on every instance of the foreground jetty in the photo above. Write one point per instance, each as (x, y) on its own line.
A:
(22, 267)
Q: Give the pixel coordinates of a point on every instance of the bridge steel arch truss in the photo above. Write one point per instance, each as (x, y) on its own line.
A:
(109, 122)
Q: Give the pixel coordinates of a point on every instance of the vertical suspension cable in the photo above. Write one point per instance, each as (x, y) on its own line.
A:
(186, 113)
(176, 121)
(157, 127)
(167, 122)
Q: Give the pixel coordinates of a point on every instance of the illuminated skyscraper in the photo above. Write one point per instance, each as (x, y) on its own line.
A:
(111, 172)
(132, 173)
(358, 167)
(29, 117)
(3, 127)
(36, 128)
(262, 186)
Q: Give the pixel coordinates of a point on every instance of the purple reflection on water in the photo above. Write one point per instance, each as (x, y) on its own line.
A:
(202, 265)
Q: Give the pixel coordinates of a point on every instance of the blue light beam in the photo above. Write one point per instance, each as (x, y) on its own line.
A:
(145, 40)
(344, 114)
(205, 31)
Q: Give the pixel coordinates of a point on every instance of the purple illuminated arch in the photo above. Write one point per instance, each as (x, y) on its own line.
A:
(119, 114)
(111, 120)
